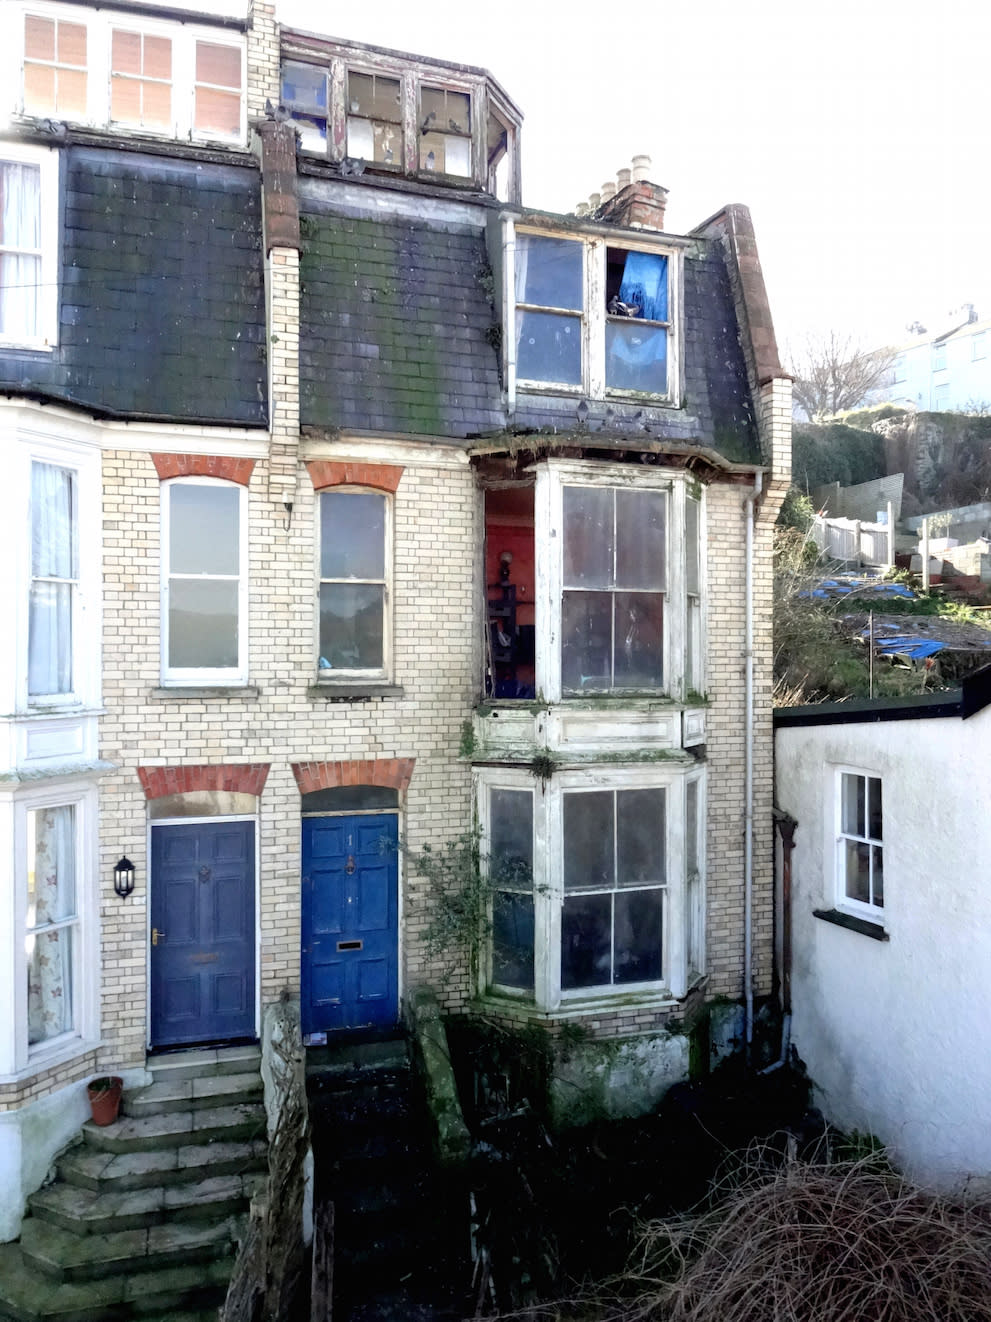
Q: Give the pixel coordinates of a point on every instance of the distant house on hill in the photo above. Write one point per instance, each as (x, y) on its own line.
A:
(950, 370)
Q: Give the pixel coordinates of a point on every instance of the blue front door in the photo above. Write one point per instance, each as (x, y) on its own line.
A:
(350, 911)
(202, 932)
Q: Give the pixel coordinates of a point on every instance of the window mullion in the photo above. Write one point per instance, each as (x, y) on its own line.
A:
(594, 375)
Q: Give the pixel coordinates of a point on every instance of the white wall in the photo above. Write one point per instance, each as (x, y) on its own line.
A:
(897, 1034)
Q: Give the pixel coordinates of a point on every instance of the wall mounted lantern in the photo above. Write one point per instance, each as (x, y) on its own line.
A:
(124, 878)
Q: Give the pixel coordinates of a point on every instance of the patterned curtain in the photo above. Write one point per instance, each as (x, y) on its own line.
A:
(51, 899)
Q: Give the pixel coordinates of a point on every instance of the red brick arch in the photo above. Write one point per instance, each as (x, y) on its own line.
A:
(326, 473)
(237, 777)
(391, 772)
(204, 465)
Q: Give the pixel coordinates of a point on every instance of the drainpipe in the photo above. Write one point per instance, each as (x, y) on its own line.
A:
(508, 303)
(786, 827)
(748, 778)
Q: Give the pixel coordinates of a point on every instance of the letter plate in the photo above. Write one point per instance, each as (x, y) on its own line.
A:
(350, 945)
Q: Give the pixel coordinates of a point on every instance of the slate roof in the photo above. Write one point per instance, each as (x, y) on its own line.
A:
(396, 327)
(161, 304)
(398, 334)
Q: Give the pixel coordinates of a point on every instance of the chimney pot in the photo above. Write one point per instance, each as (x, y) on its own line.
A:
(641, 168)
(593, 201)
(623, 178)
(581, 209)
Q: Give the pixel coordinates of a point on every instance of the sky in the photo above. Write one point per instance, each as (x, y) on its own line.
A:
(855, 130)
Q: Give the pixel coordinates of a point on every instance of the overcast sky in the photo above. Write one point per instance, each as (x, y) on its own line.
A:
(855, 130)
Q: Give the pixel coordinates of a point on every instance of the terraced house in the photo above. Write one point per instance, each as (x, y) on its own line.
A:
(350, 501)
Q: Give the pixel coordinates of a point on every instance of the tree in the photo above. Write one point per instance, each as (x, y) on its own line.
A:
(834, 373)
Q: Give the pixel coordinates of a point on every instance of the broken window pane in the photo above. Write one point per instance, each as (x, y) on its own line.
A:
(638, 634)
(636, 293)
(374, 118)
(305, 86)
(351, 626)
(586, 641)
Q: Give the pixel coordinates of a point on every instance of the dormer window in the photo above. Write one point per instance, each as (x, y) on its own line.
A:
(142, 74)
(593, 318)
(443, 124)
(445, 131)
(375, 118)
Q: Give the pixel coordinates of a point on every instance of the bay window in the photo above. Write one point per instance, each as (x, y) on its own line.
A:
(28, 247)
(52, 923)
(594, 583)
(54, 581)
(204, 585)
(594, 317)
(596, 882)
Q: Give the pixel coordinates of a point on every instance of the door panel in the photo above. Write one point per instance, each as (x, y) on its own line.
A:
(203, 932)
(350, 911)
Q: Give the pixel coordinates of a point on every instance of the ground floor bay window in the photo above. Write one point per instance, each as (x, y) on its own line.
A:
(597, 882)
(47, 962)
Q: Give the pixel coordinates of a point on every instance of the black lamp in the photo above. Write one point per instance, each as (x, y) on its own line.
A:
(124, 878)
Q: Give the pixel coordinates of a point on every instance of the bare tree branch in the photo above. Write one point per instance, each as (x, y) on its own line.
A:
(834, 373)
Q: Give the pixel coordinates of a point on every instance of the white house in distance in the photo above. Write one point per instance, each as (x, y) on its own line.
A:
(947, 371)
(890, 909)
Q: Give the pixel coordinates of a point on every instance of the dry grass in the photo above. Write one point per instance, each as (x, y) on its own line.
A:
(807, 1242)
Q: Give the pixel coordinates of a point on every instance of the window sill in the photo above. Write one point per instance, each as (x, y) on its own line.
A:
(610, 1003)
(358, 692)
(852, 923)
(246, 692)
(42, 1060)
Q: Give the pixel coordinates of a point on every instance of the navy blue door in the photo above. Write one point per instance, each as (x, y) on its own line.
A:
(350, 909)
(202, 932)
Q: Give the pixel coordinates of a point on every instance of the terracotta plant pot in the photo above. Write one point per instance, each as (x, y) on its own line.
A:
(104, 1098)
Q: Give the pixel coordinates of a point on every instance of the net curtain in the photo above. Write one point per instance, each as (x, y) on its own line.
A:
(51, 899)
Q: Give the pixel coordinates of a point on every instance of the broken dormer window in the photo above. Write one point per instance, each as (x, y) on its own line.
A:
(636, 321)
(445, 131)
(374, 117)
(593, 319)
(304, 92)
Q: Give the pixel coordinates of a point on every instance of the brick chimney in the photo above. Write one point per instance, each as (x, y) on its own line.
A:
(637, 203)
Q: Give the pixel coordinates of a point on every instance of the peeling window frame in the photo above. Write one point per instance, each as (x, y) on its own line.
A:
(548, 995)
(100, 27)
(595, 316)
(485, 105)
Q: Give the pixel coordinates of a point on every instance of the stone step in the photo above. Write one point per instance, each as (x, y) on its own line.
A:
(65, 1256)
(165, 1096)
(85, 1212)
(26, 1295)
(228, 1124)
(88, 1168)
(346, 1057)
(203, 1062)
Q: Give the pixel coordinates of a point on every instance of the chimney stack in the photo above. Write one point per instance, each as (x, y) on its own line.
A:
(633, 202)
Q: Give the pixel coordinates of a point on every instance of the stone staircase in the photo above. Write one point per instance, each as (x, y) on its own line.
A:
(143, 1217)
(400, 1223)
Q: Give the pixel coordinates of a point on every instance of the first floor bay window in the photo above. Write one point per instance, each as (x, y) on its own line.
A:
(595, 882)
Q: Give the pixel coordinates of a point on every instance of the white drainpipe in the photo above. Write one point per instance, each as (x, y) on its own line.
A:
(508, 303)
(748, 776)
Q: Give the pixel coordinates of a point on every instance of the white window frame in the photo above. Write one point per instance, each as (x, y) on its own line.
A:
(17, 1058)
(978, 346)
(47, 162)
(695, 903)
(375, 674)
(100, 25)
(548, 879)
(83, 460)
(941, 398)
(594, 317)
(189, 676)
(552, 475)
(939, 356)
(874, 913)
